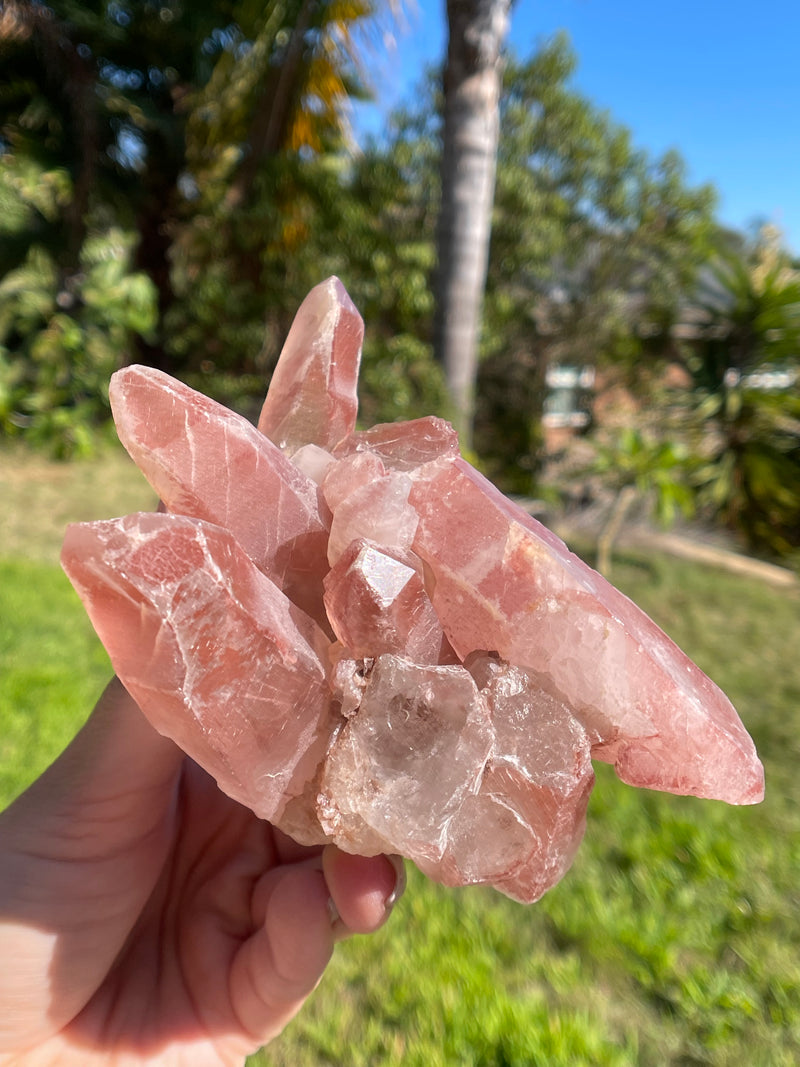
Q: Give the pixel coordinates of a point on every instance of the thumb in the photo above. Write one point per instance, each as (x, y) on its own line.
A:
(282, 962)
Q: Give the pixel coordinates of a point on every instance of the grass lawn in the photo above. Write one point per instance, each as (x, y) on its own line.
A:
(674, 940)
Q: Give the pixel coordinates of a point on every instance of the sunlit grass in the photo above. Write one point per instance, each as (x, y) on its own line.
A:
(52, 669)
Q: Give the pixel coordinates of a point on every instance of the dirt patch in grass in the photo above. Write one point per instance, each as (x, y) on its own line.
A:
(40, 497)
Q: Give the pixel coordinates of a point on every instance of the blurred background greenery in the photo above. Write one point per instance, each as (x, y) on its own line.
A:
(174, 178)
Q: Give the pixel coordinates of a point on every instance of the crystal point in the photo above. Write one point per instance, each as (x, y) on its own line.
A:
(505, 582)
(185, 444)
(377, 602)
(312, 397)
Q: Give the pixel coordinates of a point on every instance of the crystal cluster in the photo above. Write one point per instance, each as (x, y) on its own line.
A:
(366, 643)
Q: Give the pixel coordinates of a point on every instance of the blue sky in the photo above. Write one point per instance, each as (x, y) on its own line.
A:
(719, 82)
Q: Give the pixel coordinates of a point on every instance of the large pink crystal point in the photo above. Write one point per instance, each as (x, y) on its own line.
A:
(401, 766)
(205, 461)
(504, 583)
(376, 602)
(211, 650)
(404, 446)
(312, 397)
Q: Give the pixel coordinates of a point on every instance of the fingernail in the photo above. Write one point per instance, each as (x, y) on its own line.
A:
(400, 881)
(333, 912)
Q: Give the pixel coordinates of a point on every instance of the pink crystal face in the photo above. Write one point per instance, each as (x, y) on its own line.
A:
(206, 462)
(312, 397)
(366, 643)
(377, 602)
(213, 652)
(404, 446)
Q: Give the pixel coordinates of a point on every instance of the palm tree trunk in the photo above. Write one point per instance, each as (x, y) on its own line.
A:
(472, 79)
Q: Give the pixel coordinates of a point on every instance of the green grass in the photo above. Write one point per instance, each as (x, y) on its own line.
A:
(674, 940)
(52, 669)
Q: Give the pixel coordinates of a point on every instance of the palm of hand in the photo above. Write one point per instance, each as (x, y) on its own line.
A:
(234, 936)
(190, 940)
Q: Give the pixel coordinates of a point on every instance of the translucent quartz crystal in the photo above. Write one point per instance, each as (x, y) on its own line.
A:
(506, 804)
(377, 602)
(312, 395)
(404, 446)
(313, 461)
(379, 511)
(523, 827)
(401, 766)
(212, 651)
(367, 501)
(504, 582)
(209, 463)
(477, 666)
(344, 477)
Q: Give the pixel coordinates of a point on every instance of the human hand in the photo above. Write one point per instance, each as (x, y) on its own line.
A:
(146, 917)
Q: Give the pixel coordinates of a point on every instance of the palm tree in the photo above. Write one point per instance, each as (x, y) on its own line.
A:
(472, 82)
(746, 372)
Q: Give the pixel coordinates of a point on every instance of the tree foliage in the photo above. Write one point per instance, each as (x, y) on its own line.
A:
(178, 133)
(746, 371)
(207, 145)
(641, 467)
(613, 241)
(62, 334)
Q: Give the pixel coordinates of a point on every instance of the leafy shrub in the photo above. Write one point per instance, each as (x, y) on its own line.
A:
(745, 374)
(62, 338)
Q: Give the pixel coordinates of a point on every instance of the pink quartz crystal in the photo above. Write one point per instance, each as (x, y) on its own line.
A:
(477, 664)
(187, 446)
(504, 582)
(312, 396)
(213, 652)
(379, 511)
(404, 446)
(377, 602)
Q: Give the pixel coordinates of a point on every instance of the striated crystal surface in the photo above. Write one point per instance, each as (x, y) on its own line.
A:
(477, 664)
(312, 396)
(213, 652)
(209, 463)
(377, 602)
